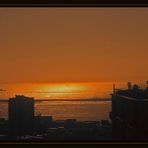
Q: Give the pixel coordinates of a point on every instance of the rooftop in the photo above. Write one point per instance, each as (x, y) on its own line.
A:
(133, 91)
(21, 97)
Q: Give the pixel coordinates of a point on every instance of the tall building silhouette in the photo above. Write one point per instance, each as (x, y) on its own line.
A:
(129, 114)
(21, 115)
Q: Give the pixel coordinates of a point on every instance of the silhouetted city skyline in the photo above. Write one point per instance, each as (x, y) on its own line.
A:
(73, 74)
(128, 120)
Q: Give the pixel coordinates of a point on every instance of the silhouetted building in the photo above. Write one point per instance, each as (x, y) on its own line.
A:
(3, 126)
(42, 123)
(70, 123)
(21, 115)
(129, 114)
(45, 120)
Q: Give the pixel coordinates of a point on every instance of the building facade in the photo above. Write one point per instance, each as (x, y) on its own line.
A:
(21, 115)
(129, 115)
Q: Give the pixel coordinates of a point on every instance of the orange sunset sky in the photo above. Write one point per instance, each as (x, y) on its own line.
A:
(44, 45)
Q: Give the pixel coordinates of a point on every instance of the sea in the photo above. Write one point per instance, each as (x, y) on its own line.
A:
(62, 110)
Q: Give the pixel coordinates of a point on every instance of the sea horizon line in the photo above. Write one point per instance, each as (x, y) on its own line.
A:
(89, 99)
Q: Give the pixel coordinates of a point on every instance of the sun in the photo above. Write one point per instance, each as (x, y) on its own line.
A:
(63, 88)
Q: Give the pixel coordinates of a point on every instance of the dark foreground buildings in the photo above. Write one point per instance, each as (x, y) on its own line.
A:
(130, 113)
(23, 125)
(21, 115)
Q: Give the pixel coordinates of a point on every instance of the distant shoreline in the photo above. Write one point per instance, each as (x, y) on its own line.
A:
(41, 100)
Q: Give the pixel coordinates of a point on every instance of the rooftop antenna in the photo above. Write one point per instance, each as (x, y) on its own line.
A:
(114, 88)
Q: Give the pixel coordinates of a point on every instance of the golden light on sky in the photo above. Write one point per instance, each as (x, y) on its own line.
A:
(73, 90)
(61, 90)
(66, 45)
